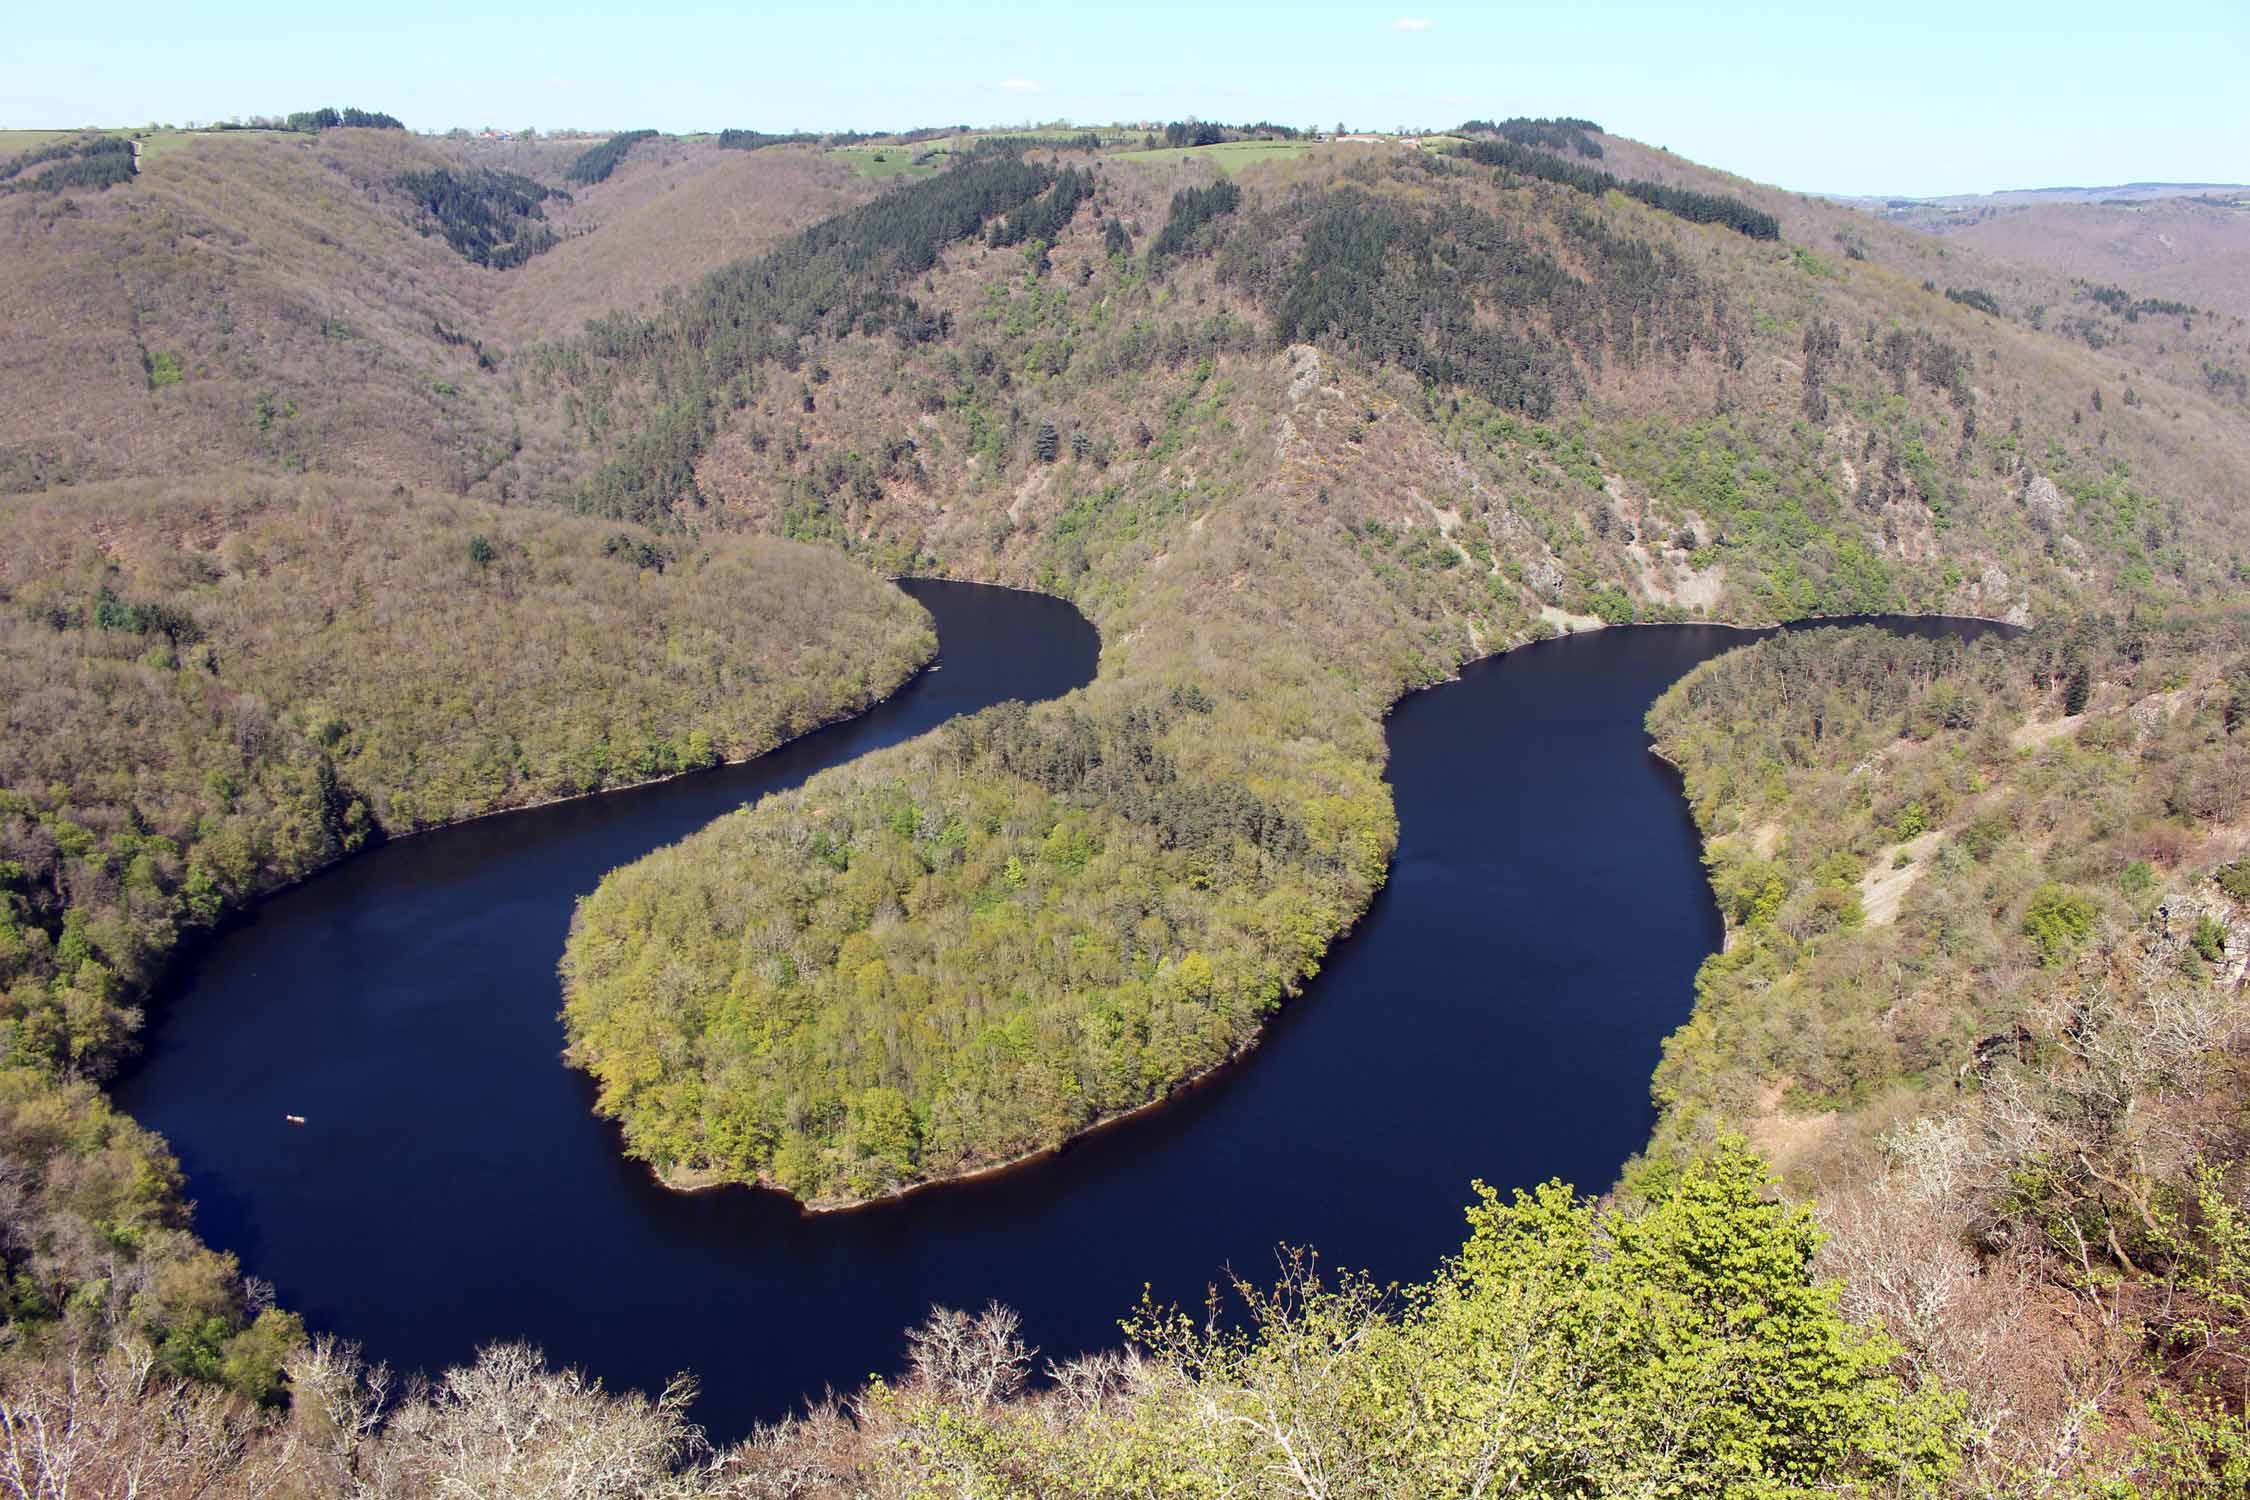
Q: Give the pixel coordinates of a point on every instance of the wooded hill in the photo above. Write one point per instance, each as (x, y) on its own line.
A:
(346, 302)
(214, 688)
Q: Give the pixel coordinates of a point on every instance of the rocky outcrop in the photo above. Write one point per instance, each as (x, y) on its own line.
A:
(2203, 931)
(2044, 504)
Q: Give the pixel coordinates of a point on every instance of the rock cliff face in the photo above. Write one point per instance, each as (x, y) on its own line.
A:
(2044, 504)
(2204, 931)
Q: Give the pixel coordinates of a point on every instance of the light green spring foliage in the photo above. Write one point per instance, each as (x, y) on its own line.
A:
(99, 1247)
(1021, 929)
(1684, 1348)
(1820, 764)
(215, 688)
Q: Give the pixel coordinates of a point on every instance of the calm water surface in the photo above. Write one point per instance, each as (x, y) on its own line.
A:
(1496, 1015)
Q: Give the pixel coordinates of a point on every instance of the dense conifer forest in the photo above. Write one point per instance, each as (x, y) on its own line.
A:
(491, 218)
(596, 163)
(1695, 207)
(1547, 135)
(93, 163)
(752, 140)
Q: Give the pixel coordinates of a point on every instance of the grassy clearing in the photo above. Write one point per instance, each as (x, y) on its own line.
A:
(1226, 155)
(13, 141)
(156, 143)
(882, 162)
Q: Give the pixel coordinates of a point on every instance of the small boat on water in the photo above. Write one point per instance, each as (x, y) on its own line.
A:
(294, 1119)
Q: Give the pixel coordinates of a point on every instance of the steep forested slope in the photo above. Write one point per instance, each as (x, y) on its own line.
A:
(1983, 994)
(346, 302)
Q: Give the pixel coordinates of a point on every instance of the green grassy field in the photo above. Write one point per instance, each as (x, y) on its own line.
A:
(898, 161)
(1226, 155)
(13, 141)
(886, 161)
(156, 143)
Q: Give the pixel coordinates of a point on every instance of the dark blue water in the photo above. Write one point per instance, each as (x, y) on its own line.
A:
(1497, 1015)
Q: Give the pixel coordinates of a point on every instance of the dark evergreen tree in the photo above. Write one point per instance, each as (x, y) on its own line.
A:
(1192, 208)
(2079, 688)
(753, 140)
(596, 164)
(489, 217)
(1697, 208)
(1552, 135)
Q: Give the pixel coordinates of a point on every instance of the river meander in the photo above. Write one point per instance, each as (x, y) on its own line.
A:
(1497, 1015)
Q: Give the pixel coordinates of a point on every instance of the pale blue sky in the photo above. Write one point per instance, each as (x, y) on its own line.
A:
(1905, 96)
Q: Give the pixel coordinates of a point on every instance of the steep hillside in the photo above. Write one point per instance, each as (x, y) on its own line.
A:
(2158, 280)
(673, 211)
(345, 303)
(1983, 996)
(256, 297)
(2189, 247)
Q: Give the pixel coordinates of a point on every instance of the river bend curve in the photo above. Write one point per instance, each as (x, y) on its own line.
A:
(1497, 1015)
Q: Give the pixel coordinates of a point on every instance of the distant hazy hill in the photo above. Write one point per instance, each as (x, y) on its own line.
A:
(2185, 242)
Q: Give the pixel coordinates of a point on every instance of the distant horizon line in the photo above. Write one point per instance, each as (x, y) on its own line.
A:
(579, 132)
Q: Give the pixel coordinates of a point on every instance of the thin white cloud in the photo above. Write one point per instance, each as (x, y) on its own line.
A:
(1411, 23)
(1020, 85)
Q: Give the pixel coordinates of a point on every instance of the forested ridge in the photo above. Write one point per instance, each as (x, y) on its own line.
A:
(1695, 207)
(1299, 437)
(598, 162)
(492, 218)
